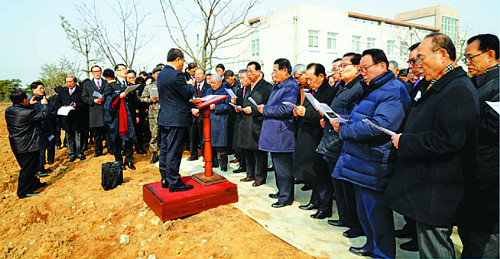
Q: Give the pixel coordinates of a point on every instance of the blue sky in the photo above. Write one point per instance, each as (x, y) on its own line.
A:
(32, 35)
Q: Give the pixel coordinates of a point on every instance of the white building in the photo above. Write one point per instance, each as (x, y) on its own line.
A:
(306, 33)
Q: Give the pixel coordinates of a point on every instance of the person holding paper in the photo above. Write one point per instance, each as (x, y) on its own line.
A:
(278, 130)
(368, 157)
(150, 96)
(196, 128)
(120, 116)
(240, 152)
(233, 85)
(330, 145)
(436, 149)
(251, 125)
(93, 96)
(478, 224)
(308, 165)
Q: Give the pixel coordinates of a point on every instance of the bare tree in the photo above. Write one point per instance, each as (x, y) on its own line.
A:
(464, 34)
(219, 22)
(122, 43)
(82, 41)
(53, 75)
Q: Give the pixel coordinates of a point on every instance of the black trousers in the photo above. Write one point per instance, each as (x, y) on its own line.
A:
(322, 195)
(478, 244)
(139, 133)
(241, 156)
(48, 151)
(171, 153)
(195, 138)
(127, 147)
(99, 136)
(256, 162)
(345, 199)
(27, 182)
(283, 163)
(220, 154)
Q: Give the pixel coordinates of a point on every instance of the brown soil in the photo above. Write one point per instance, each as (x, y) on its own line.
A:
(74, 217)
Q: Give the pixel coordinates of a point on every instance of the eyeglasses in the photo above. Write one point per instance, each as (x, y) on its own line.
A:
(364, 69)
(412, 62)
(420, 59)
(344, 65)
(469, 59)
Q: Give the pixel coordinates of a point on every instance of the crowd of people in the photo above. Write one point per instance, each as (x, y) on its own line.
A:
(420, 141)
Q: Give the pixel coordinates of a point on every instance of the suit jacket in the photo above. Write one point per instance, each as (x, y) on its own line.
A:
(219, 119)
(435, 150)
(251, 124)
(174, 95)
(74, 119)
(96, 111)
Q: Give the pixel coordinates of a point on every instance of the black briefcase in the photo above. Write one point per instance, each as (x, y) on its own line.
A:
(111, 175)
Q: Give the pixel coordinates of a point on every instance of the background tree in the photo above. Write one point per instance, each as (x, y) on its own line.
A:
(222, 21)
(119, 44)
(464, 34)
(82, 41)
(53, 75)
(6, 86)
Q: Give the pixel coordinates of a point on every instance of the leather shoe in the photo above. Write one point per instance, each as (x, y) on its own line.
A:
(280, 205)
(181, 188)
(306, 187)
(336, 223)
(257, 183)
(192, 158)
(72, 158)
(362, 251)
(141, 152)
(309, 206)
(411, 245)
(81, 156)
(353, 233)
(97, 154)
(41, 174)
(321, 215)
(27, 195)
(274, 195)
(164, 184)
(239, 170)
(130, 165)
(247, 179)
(404, 233)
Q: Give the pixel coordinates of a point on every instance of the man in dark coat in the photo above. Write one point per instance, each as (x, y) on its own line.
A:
(367, 159)
(251, 125)
(73, 124)
(308, 165)
(234, 85)
(196, 127)
(435, 149)
(278, 129)
(47, 139)
(331, 145)
(120, 116)
(174, 118)
(239, 152)
(96, 107)
(23, 124)
(478, 215)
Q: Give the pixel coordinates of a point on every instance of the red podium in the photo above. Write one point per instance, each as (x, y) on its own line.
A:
(210, 190)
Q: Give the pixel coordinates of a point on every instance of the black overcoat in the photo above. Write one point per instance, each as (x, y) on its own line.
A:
(435, 150)
(76, 118)
(96, 111)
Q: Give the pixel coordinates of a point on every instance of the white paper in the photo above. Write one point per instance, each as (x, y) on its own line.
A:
(386, 131)
(324, 109)
(315, 103)
(494, 105)
(64, 110)
(231, 93)
(208, 97)
(131, 88)
(153, 93)
(290, 104)
(97, 94)
(252, 101)
(235, 106)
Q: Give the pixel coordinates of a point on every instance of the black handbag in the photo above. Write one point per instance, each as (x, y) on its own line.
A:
(111, 175)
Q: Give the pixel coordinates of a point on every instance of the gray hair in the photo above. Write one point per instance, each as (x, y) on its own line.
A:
(216, 77)
(299, 69)
(394, 63)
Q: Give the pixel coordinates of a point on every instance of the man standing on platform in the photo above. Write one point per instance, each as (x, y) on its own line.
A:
(174, 118)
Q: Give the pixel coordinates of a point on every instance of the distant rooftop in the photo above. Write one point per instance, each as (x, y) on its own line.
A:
(391, 21)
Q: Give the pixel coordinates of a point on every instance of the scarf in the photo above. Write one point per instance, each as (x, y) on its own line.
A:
(122, 116)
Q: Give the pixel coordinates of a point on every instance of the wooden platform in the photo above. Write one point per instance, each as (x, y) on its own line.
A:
(170, 205)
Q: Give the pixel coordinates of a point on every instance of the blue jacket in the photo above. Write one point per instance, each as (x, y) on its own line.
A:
(368, 155)
(278, 128)
(174, 95)
(218, 118)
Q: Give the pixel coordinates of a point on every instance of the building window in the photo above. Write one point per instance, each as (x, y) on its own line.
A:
(391, 47)
(313, 39)
(403, 49)
(370, 43)
(331, 41)
(449, 27)
(255, 44)
(356, 43)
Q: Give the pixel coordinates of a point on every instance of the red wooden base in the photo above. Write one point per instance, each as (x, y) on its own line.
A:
(170, 205)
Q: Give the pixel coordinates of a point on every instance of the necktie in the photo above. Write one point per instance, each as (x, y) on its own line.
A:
(198, 90)
(99, 84)
(244, 88)
(313, 92)
(70, 91)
